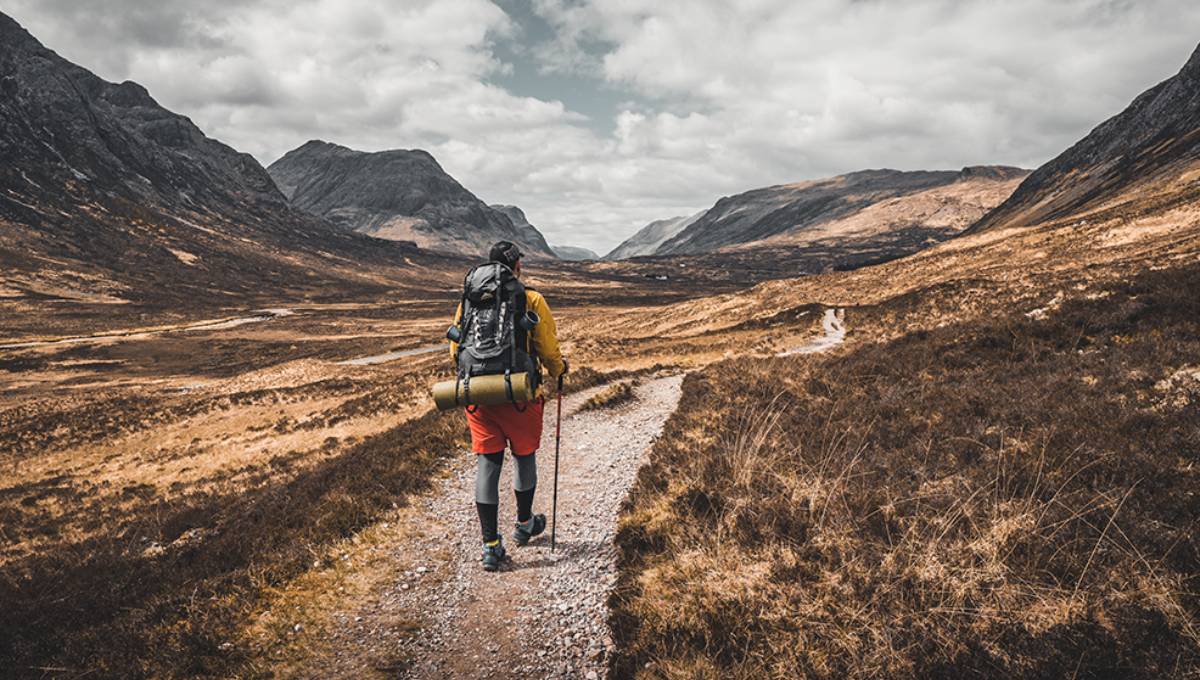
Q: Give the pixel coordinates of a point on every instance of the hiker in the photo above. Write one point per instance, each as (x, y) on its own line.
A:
(498, 336)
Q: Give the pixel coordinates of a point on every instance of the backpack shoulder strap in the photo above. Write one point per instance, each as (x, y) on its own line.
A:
(464, 305)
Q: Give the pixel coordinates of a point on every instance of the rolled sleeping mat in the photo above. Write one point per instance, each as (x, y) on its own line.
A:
(486, 390)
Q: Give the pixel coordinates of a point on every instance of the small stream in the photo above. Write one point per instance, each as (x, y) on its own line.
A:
(219, 325)
(391, 356)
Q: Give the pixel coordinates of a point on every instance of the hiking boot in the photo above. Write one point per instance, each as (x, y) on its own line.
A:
(527, 530)
(493, 555)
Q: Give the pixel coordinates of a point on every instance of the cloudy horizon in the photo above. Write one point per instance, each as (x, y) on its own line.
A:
(599, 117)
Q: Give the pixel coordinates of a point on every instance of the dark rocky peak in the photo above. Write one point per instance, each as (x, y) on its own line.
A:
(1192, 68)
(71, 131)
(13, 35)
(399, 194)
(320, 147)
(105, 192)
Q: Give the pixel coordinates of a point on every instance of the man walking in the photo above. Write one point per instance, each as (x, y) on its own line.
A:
(514, 322)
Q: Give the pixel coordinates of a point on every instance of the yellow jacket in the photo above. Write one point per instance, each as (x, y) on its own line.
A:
(542, 341)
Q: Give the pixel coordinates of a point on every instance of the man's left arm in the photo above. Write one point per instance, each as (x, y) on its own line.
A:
(454, 345)
(545, 337)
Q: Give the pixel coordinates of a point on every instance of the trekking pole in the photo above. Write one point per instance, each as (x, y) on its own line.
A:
(557, 438)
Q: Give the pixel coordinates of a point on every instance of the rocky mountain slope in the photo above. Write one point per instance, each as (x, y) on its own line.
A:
(105, 196)
(1147, 158)
(648, 239)
(520, 221)
(529, 233)
(859, 204)
(400, 195)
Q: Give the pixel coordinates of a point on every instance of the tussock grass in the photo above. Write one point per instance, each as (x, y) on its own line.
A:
(613, 395)
(998, 498)
(587, 377)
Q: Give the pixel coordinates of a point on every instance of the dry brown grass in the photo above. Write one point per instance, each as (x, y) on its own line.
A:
(998, 498)
(109, 605)
(609, 397)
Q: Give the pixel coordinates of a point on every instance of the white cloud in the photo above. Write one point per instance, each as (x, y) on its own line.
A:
(732, 95)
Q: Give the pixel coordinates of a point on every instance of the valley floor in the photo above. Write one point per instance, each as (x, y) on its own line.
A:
(232, 500)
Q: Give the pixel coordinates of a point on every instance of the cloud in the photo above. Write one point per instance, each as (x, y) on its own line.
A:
(722, 96)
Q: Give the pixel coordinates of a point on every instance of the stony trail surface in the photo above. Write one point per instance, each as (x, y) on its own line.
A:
(543, 615)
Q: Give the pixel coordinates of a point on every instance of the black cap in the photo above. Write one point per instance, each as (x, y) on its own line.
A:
(506, 253)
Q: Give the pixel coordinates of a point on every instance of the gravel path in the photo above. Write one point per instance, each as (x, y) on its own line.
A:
(542, 615)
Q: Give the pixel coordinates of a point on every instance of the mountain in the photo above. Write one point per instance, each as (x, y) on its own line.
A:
(647, 239)
(400, 194)
(521, 222)
(529, 233)
(106, 196)
(859, 204)
(575, 253)
(1148, 154)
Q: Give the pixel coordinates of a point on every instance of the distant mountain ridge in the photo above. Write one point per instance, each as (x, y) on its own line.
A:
(1152, 148)
(858, 205)
(789, 210)
(575, 253)
(398, 194)
(105, 195)
(649, 238)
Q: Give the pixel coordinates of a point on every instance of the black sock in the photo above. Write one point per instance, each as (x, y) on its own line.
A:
(487, 521)
(525, 504)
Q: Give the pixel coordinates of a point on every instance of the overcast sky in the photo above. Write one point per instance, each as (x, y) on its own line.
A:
(598, 117)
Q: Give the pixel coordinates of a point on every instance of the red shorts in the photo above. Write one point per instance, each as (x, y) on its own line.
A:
(495, 427)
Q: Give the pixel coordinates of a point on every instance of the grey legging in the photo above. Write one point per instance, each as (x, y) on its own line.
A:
(487, 475)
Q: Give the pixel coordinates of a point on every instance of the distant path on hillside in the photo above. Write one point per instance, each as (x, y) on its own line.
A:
(136, 333)
(834, 326)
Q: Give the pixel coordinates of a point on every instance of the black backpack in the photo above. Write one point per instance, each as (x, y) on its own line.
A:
(493, 331)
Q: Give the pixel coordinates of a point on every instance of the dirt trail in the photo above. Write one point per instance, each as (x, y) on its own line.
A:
(543, 614)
